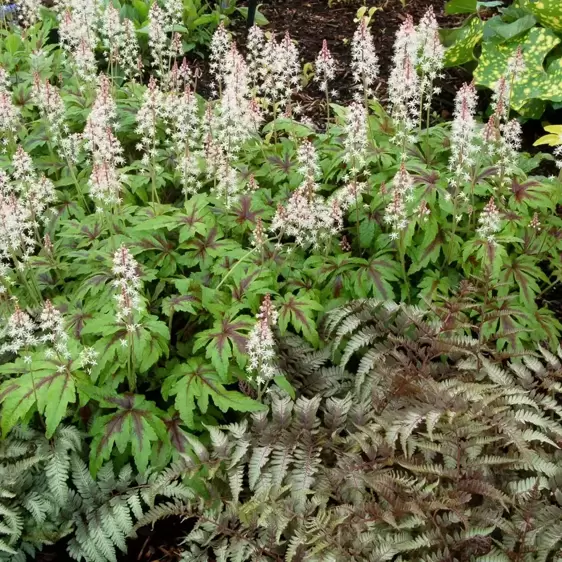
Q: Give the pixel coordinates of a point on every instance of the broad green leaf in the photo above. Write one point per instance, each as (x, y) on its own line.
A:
(374, 277)
(300, 313)
(430, 247)
(548, 12)
(260, 19)
(282, 382)
(534, 82)
(554, 138)
(464, 40)
(522, 272)
(499, 29)
(136, 424)
(141, 8)
(49, 386)
(224, 341)
(533, 194)
(196, 382)
(453, 7)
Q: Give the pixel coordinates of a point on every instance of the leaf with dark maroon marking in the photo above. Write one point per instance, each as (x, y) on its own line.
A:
(176, 303)
(197, 218)
(523, 272)
(532, 193)
(195, 383)
(335, 272)
(202, 250)
(224, 341)
(134, 425)
(300, 312)
(375, 277)
(48, 386)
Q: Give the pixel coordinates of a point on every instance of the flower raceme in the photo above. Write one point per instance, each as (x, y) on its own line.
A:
(364, 60)
(261, 348)
(325, 67)
(127, 284)
(404, 83)
(307, 217)
(463, 135)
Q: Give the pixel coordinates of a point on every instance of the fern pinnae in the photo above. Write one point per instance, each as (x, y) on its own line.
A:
(258, 460)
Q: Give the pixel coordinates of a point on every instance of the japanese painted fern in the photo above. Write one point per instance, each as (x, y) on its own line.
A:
(427, 448)
(47, 494)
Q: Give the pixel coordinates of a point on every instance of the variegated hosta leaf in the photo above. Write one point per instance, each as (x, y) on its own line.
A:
(548, 12)
(464, 39)
(534, 84)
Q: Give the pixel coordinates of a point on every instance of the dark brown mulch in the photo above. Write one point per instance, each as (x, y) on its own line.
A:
(309, 22)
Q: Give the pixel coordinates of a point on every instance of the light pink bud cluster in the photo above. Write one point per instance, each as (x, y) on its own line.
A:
(501, 98)
(501, 137)
(508, 149)
(78, 31)
(404, 83)
(356, 138)
(186, 136)
(51, 323)
(261, 343)
(157, 38)
(9, 113)
(431, 57)
(219, 48)
(535, 222)
(489, 221)
(179, 77)
(351, 194)
(325, 67)
(162, 45)
(153, 109)
(16, 229)
(34, 191)
(104, 147)
(19, 331)
(129, 57)
(255, 59)
(402, 195)
(273, 69)
(120, 42)
(112, 32)
(258, 235)
(48, 100)
(29, 11)
(238, 117)
(128, 284)
(463, 135)
(228, 183)
(101, 121)
(307, 217)
(364, 60)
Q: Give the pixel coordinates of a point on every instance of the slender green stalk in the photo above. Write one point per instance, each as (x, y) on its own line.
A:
(402, 254)
(235, 266)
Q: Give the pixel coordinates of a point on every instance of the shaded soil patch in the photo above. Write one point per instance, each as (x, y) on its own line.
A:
(160, 543)
(309, 22)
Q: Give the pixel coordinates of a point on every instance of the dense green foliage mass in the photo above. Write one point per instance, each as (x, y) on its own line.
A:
(167, 265)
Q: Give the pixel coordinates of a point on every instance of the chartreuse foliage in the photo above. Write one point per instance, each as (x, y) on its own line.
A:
(414, 445)
(533, 27)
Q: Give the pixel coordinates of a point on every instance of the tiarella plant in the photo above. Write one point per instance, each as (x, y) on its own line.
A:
(155, 245)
